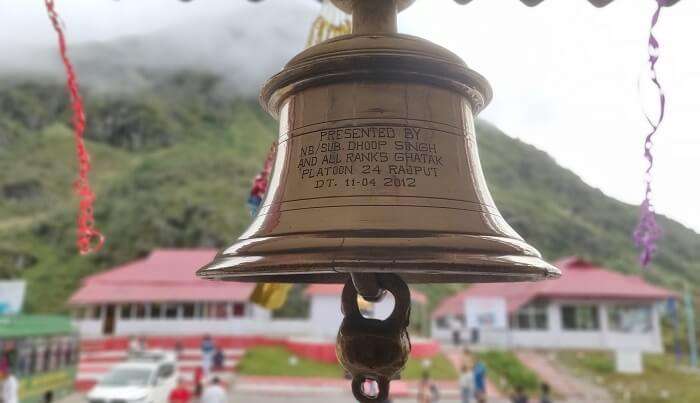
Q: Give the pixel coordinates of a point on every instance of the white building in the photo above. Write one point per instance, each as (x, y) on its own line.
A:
(160, 295)
(589, 307)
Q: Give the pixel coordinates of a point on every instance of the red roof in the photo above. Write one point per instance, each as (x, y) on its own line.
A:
(337, 289)
(580, 279)
(164, 275)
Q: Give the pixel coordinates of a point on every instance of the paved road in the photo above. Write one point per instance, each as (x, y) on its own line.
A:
(257, 398)
(262, 398)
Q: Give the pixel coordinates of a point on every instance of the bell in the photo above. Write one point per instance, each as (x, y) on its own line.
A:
(377, 169)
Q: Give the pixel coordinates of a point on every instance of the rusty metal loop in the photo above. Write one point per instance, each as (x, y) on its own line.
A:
(367, 285)
(373, 349)
(382, 386)
(393, 284)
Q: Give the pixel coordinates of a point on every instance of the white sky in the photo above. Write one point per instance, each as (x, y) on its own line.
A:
(564, 74)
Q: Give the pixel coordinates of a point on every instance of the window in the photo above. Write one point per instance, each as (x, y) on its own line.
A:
(442, 323)
(580, 317)
(46, 359)
(530, 317)
(171, 311)
(199, 310)
(71, 351)
(156, 311)
(122, 377)
(34, 361)
(24, 349)
(56, 354)
(68, 353)
(125, 312)
(238, 309)
(166, 371)
(140, 311)
(218, 310)
(188, 311)
(97, 312)
(630, 319)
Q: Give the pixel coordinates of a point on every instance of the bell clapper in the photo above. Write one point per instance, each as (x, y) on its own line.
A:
(374, 350)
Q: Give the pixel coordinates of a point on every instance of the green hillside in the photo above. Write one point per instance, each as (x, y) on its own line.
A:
(173, 166)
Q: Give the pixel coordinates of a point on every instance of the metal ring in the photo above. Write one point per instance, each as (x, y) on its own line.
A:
(382, 385)
(393, 284)
(367, 286)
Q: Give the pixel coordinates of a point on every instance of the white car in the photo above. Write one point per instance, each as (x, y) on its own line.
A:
(142, 379)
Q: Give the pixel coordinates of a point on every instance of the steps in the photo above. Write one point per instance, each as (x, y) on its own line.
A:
(95, 363)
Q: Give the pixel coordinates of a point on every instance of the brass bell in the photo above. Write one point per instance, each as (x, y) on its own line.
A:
(377, 169)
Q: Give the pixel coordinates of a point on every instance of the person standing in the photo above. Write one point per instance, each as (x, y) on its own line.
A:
(134, 346)
(519, 396)
(219, 358)
(180, 394)
(545, 393)
(480, 381)
(208, 349)
(178, 349)
(10, 386)
(466, 384)
(198, 381)
(427, 391)
(214, 393)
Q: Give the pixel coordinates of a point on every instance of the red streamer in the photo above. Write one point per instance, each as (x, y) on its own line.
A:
(88, 238)
(261, 180)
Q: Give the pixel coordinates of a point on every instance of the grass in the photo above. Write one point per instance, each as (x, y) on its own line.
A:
(276, 361)
(440, 369)
(662, 380)
(505, 368)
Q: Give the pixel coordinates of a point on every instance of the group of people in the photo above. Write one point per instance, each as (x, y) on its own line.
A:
(472, 382)
(200, 391)
(212, 356)
(213, 392)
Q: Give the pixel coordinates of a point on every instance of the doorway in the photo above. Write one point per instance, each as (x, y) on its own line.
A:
(108, 324)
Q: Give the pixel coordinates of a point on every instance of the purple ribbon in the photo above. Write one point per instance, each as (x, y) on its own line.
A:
(648, 231)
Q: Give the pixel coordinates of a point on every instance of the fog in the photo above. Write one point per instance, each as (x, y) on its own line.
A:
(242, 42)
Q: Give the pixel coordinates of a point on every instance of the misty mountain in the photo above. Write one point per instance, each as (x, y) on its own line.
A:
(243, 47)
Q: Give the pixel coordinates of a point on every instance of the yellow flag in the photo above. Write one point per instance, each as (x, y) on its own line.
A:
(330, 23)
(270, 295)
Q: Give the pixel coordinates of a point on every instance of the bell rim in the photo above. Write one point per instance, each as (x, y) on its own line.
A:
(536, 269)
(418, 258)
